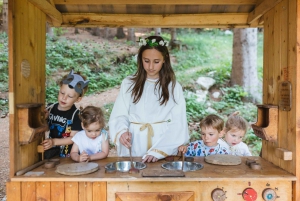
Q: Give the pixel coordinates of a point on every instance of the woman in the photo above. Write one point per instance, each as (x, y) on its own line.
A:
(149, 115)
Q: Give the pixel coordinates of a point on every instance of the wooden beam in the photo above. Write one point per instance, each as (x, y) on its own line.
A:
(49, 10)
(261, 9)
(147, 20)
(159, 2)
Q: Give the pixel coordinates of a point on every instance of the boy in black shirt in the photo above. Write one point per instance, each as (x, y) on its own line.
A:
(63, 119)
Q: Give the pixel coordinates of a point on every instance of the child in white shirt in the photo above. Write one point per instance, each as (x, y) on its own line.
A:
(235, 130)
(90, 143)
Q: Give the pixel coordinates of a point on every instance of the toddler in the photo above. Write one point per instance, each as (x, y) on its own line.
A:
(211, 130)
(235, 129)
(91, 143)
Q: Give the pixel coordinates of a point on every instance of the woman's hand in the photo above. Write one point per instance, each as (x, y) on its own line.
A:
(149, 159)
(48, 143)
(84, 157)
(125, 139)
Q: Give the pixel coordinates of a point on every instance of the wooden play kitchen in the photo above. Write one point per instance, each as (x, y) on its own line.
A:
(273, 176)
(217, 180)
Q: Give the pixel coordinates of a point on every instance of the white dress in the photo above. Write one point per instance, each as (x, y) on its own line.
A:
(240, 149)
(168, 121)
(90, 146)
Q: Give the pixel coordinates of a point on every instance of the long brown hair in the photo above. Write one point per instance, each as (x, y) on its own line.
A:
(166, 74)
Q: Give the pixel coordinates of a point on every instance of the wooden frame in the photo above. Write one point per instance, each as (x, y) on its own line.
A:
(280, 19)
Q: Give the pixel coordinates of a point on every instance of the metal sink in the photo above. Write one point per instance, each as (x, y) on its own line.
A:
(187, 166)
(124, 166)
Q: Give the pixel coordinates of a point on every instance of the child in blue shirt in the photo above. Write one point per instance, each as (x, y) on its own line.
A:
(211, 130)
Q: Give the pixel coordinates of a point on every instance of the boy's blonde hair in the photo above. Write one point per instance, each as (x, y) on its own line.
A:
(213, 121)
(83, 77)
(236, 121)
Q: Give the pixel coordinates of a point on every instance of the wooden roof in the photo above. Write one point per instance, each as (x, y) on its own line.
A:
(155, 13)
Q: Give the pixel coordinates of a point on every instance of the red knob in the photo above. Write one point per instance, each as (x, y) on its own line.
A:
(249, 194)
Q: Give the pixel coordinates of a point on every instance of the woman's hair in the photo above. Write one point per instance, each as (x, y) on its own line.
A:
(213, 121)
(166, 74)
(236, 121)
(91, 114)
(83, 77)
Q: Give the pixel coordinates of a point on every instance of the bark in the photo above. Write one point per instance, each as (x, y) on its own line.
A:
(5, 16)
(120, 33)
(130, 35)
(49, 29)
(96, 31)
(157, 31)
(244, 63)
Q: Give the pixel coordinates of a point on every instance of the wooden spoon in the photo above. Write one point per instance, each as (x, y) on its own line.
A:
(182, 160)
(132, 168)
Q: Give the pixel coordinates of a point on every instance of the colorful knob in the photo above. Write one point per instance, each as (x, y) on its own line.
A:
(249, 194)
(218, 195)
(269, 194)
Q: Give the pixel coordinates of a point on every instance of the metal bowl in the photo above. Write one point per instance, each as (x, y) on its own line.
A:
(124, 166)
(187, 166)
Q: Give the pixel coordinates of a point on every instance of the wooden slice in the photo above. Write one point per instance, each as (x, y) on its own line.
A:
(223, 159)
(77, 168)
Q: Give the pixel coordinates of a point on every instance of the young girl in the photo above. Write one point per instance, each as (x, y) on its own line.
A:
(149, 115)
(90, 143)
(235, 130)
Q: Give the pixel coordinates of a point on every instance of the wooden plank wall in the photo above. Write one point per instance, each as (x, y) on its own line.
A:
(58, 191)
(281, 63)
(27, 41)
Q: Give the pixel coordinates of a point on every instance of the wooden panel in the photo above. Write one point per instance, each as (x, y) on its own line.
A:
(160, 2)
(85, 191)
(28, 191)
(138, 20)
(136, 196)
(42, 191)
(293, 139)
(99, 191)
(58, 191)
(27, 30)
(13, 191)
(71, 191)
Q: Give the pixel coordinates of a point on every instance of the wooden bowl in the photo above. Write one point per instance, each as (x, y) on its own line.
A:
(49, 165)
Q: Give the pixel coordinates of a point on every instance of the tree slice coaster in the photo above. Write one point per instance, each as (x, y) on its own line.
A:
(77, 168)
(220, 159)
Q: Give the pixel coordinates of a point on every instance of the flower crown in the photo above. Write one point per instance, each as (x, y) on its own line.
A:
(152, 43)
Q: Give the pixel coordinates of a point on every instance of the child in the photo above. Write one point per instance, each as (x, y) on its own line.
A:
(63, 120)
(149, 114)
(211, 130)
(90, 143)
(235, 129)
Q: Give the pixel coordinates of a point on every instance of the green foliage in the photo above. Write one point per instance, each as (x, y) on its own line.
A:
(3, 62)
(195, 111)
(233, 95)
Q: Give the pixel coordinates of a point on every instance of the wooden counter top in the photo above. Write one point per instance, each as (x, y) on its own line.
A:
(210, 172)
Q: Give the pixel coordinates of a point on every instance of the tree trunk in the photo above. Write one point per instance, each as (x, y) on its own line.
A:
(5, 16)
(76, 31)
(157, 31)
(106, 32)
(96, 31)
(244, 62)
(49, 29)
(173, 35)
(120, 33)
(130, 35)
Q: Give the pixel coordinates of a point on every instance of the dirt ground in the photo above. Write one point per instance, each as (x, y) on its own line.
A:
(96, 100)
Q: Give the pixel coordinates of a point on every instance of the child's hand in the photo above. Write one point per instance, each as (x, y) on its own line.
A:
(182, 149)
(84, 157)
(46, 113)
(48, 143)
